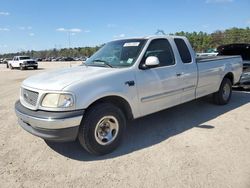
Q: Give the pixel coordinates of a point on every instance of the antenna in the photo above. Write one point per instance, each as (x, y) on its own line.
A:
(160, 32)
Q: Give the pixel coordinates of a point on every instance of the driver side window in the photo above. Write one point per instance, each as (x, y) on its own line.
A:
(161, 49)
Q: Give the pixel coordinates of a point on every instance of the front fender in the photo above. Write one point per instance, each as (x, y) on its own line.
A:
(88, 92)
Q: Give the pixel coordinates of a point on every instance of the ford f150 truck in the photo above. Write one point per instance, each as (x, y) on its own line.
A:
(125, 79)
(22, 62)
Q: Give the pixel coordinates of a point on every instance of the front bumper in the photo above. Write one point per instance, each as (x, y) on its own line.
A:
(56, 126)
(30, 65)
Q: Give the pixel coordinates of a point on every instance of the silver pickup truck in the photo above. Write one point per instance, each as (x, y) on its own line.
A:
(125, 79)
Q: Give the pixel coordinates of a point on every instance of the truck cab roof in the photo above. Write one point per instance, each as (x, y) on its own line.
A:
(150, 37)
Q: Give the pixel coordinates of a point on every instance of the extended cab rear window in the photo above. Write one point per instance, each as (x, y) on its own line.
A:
(23, 58)
(183, 50)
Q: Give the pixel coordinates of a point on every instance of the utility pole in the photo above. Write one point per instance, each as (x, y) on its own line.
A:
(69, 38)
(69, 45)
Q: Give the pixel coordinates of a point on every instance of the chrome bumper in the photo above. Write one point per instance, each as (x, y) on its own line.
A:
(48, 123)
(48, 120)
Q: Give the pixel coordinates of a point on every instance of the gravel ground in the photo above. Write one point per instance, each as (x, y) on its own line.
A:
(197, 144)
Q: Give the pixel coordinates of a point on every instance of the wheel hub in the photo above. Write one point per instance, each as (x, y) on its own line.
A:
(106, 130)
(226, 92)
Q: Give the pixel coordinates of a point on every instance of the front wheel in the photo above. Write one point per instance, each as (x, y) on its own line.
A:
(22, 67)
(102, 129)
(224, 94)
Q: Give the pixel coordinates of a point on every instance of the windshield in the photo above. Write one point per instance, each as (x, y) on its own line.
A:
(122, 53)
(22, 58)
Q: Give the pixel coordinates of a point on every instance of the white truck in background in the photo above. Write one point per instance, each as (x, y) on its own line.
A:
(125, 79)
(22, 62)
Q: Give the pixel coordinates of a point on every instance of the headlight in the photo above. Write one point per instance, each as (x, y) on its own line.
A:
(57, 100)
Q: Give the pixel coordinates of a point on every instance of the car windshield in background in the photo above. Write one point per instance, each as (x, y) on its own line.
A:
(121, 53)
(23, 58)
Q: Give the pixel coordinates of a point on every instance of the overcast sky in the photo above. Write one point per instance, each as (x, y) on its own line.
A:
(46, 24)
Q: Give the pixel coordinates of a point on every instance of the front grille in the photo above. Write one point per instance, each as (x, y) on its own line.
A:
(30, 97)
(30, 62)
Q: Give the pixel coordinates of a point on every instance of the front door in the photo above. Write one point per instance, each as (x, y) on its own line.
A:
(158, 88)
(14, 62)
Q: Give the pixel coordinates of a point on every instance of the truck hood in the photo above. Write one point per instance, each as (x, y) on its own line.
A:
(61, 78)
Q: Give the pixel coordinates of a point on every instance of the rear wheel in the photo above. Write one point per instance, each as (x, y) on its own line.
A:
(223, 96)
(35, 67)
(10, 66)
(102, 129)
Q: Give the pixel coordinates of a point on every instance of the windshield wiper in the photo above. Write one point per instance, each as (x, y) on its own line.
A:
(102, 61)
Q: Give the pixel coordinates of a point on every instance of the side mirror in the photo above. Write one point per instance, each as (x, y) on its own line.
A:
(151, 62)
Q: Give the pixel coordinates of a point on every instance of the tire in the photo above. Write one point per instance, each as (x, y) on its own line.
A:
(35, 67)
(21, 67)
(11, 67)
(102, 129)
(7, 65)
(224, 94)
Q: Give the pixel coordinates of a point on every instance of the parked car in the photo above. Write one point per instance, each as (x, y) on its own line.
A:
(57, 59)
(39, 59)
(83, 58)
(22, 62)
(6, 60)
(48, 59)
(68, 59)
(126, 79)
(244, 51)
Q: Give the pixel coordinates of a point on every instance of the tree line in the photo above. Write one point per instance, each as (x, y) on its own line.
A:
(201, 42)
(64, 52)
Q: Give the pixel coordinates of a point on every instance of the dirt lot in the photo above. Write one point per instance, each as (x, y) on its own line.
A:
(197, 144)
